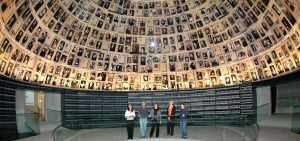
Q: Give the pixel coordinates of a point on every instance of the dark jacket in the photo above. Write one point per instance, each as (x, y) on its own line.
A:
(184, 113)
(157, 117)
(143, 113)
(172, 117)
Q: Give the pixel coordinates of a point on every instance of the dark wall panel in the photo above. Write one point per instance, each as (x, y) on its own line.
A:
(225, 105)
(82, 110)
(8, 126)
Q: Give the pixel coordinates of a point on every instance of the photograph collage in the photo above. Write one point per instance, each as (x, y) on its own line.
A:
(147, 45)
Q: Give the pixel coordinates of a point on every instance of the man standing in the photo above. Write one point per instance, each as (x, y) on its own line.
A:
(143, 114)
(171, 117)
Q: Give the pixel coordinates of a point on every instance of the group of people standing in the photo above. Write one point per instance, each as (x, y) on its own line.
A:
(156, 119)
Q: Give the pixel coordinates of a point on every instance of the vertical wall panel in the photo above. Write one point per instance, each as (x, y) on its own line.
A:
(8, 126)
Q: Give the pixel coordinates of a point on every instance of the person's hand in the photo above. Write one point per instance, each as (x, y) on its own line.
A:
(168, 118)
(183, 115)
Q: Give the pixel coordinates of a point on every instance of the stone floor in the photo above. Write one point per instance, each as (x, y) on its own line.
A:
(277, 128)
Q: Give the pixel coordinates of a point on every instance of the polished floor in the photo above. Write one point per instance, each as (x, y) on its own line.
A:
(275, 128)
(46, 133)
(194, 134)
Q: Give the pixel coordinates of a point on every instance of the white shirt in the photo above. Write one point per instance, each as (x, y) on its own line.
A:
(129, 115)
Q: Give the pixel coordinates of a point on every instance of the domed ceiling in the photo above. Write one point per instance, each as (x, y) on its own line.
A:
(148, 44)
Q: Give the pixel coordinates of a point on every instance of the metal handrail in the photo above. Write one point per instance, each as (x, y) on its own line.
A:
(258, 130)
(53, 132)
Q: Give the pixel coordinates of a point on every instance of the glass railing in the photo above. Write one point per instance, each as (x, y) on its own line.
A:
(53, 116)
(296, 119)
(263, 112)
(62, 134)
(28, 124)
(245, 131)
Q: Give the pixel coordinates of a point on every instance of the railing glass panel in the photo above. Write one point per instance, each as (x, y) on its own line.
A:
(296, 119)
(244, 131)
(28, 124)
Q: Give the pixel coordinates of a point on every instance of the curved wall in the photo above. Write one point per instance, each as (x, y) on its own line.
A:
(148, 45)
(232, 105)
(9, 85)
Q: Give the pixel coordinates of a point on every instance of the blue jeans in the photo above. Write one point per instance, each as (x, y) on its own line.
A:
(143, 126)
(183, 127)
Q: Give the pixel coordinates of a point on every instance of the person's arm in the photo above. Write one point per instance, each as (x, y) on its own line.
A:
(126, 113)
(168, 113)
(151, 114)
(133, 113)
(187, 112)
(139, 111)
(174, 111)
(159, 112)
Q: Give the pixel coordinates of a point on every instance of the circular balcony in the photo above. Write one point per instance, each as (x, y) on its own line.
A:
(244, 131)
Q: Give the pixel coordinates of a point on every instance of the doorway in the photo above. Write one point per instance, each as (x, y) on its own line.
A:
(40, 96)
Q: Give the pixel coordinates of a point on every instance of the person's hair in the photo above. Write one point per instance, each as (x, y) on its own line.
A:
(157, 106)
(172, 101)
(128, 107)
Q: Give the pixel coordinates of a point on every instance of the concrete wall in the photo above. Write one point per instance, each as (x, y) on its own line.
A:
(20, 101)
(53, 107)
(263, 102)
(288, 95)
(263, 95)
(20, 110)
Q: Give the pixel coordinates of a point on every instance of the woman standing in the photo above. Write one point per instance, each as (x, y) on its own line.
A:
(130, 115)
(171, 110)
(155, 116)
(183, 120)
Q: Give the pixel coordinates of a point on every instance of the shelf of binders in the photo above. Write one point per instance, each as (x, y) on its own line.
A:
(226, 105)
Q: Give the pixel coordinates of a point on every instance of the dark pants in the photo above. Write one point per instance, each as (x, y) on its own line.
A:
(170, 127)
(130, 128)
(153, 125)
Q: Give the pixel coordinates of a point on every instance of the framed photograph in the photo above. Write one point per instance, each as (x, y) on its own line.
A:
(266, 42)
(27, 76)
(156, 67)
(2, 66)
(179, 67)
